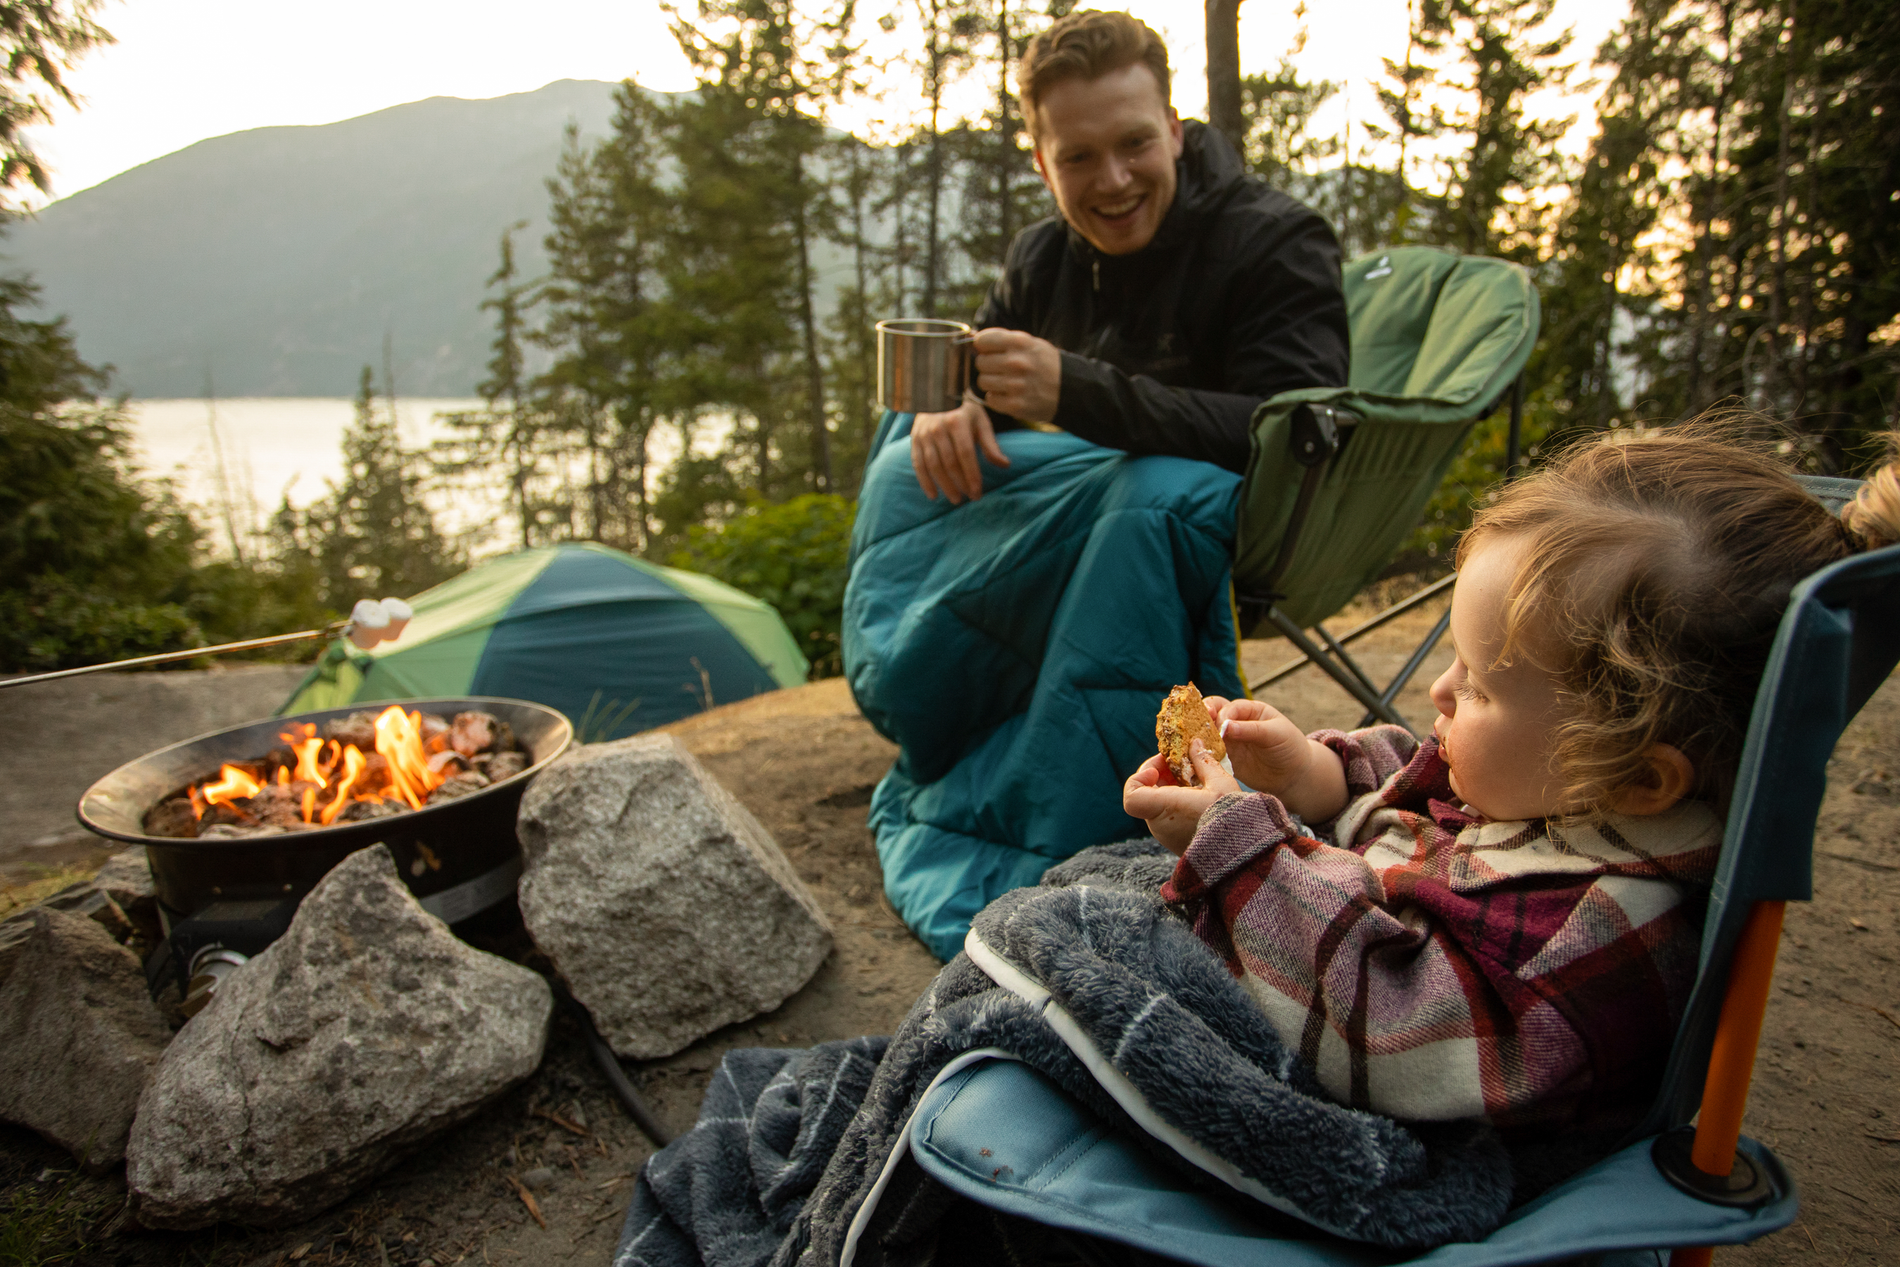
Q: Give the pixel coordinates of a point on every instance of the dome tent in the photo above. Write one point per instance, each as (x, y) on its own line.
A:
(618, 644)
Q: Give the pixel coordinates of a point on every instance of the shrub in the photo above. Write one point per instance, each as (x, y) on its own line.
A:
(793, 555)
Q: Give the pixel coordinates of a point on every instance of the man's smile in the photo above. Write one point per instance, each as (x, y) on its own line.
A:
(1123, 209)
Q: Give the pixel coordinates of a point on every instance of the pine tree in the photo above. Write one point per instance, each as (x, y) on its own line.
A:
(999, 195)
(1505, 53)
(373, 535)
(747, 143)
(607, 325)
(501, 442)
(950, 29)
(41, 40)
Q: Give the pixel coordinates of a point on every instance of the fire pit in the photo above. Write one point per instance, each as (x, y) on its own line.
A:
(459, 856)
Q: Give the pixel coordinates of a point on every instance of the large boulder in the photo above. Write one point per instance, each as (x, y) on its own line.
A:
(667, 907)
(78, 1034)
(361, 1032)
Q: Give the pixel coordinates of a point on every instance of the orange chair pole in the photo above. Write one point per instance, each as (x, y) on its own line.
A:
(1732, 1058)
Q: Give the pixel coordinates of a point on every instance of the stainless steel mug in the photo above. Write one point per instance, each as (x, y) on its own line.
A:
(923, 365)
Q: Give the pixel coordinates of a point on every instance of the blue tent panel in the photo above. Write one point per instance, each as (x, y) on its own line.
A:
(580, 577)
(580, 611)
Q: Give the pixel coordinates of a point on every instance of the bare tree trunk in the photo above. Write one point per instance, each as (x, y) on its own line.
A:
(596, 507)
(518, 473)
(1776, 306)
(900, 239)
(1005, 134)
(1808, 274)
(226, 502)
(933, 164)
(1711, 207)
(814, 373)
(1223, 70)
(861, 274)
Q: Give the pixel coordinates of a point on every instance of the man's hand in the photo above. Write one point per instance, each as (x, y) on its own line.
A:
(1270, 754)
(943, 451)
(1018, 373)
(1171, 811)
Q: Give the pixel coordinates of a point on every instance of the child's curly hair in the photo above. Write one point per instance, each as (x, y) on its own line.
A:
(1655, 574)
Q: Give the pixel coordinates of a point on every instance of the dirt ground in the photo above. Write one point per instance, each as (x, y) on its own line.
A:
(805, 762)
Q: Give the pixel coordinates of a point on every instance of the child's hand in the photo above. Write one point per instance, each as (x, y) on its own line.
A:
(1270, 754)
(1171, 811)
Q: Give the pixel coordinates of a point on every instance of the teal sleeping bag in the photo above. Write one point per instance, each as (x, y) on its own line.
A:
(1016, 649)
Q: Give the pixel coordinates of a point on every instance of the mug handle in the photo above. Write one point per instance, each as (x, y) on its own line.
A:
(966, 343)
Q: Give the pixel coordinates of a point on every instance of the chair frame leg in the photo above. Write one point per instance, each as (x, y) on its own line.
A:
(1344, 657)
(1358, 631)
(1732, 1057)
(1423, 649)
(1347, 682)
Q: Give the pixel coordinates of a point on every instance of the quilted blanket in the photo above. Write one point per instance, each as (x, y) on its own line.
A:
(1016, 648)
(1090, 980)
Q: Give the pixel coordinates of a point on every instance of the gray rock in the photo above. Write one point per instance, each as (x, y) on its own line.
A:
(665, 904)
(361, 1032)
(78, 1035)
(126, 878)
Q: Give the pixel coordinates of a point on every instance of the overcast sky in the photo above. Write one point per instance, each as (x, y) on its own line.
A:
(183, 70)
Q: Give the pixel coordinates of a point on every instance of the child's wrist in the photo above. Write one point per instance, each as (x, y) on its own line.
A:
(1320, 791)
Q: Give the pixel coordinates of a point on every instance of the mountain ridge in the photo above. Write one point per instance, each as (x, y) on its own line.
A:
(275, 260)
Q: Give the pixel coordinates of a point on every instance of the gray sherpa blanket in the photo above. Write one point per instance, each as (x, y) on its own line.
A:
(800, 1157)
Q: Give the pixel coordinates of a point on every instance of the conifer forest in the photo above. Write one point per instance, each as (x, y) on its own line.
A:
(692, 379)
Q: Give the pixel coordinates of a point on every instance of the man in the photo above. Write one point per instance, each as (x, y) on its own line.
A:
(1171, 296)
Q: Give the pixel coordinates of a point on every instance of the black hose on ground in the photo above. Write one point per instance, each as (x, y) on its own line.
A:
(617, 1077)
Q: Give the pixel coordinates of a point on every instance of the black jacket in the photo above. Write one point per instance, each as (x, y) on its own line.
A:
(1170, 349)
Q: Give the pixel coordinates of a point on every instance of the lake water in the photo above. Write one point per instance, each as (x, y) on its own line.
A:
(272, 446)
(291, 447)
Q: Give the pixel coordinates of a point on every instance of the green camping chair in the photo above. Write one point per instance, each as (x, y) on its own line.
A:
(1340, 475)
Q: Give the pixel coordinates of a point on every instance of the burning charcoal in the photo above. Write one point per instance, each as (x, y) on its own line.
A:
(374, 778)
(433, 725)
(227, 814)
(475, 732)
(358, 728)
(278, 804)
(281, 755)
(357, 811)
(172, 818)
(440, 760)
(459, 786)
(503, 765)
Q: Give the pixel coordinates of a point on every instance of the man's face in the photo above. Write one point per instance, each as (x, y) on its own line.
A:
(1107, 153)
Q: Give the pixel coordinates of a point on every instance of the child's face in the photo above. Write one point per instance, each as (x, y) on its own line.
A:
(1497, 726)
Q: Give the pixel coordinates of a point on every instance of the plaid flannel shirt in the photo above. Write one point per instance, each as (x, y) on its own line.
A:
(1434, 965)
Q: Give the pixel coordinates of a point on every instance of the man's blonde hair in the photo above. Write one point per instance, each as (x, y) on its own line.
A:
(1086, 45)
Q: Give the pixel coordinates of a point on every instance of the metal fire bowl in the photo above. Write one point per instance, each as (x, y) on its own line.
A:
(458, 857)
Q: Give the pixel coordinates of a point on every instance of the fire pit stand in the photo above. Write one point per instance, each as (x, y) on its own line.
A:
(459, 857)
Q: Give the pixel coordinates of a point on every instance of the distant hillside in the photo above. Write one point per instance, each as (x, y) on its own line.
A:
(279, 257)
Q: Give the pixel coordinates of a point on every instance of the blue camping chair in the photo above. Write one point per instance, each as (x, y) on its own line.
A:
(1001, 1135)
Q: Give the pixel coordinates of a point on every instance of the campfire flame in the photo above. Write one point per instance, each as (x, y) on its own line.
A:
(399, 739)
(405, 772)
(233, 785)
(353, 764)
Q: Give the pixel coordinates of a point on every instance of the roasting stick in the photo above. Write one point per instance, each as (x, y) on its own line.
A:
(166, 658)
(369, 623)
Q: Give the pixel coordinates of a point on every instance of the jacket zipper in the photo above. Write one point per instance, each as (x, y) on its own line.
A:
(1096, 266)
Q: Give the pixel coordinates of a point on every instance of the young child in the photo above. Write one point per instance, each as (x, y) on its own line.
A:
(1505, 922)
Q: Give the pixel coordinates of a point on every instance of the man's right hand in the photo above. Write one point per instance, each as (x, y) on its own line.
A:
(943, 451)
